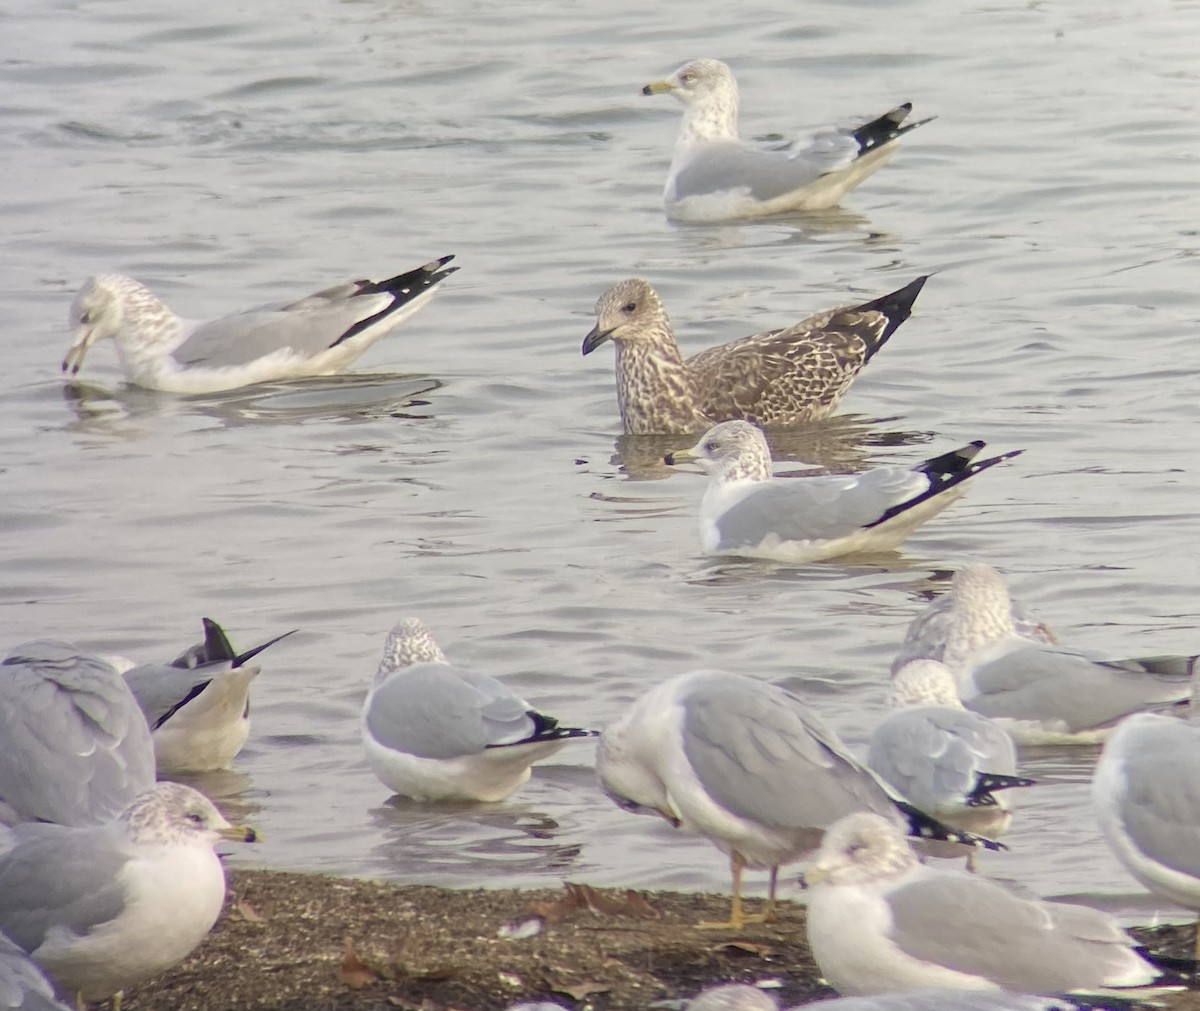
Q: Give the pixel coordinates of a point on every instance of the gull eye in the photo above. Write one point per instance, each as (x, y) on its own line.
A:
(688, 78)
(629, 308)
(86, 317)
(195, 818)
(625, 804)
(711, 446)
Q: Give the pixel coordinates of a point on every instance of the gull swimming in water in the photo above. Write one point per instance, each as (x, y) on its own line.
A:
(104, 907)
(319, 335)
(1045, 694)
(748, 765)
(432, 731)
(881, 921)
(747, 512)
(779, 377)
(76, 747)
(1146, 795)
(714, 176)
(198, 706)
(951, 763)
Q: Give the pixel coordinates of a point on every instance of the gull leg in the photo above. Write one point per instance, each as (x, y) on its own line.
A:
(770, 913)
(737, 918)
(116, 1000)
(971, 860)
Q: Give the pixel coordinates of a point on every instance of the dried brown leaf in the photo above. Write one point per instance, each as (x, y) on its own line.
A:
(248, 913)
(748, 947)
(355, 973)
(580, 991)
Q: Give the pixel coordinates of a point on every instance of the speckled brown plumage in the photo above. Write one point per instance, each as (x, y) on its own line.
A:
(780, 377)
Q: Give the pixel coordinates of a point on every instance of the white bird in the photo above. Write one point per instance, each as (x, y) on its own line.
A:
(76, 747)
(945, 760)
(747, 512)
(1045, 694)
(198, 706)
(880, 921)
(104, 907)
(740, 997)
(318, 335)
(748, 765)
(714, 176)
(432, 731)
(795, 374)
(1146, 795)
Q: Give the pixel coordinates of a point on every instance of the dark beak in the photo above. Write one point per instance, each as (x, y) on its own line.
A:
(595, 338)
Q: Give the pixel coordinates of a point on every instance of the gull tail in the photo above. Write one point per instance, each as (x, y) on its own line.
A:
(894, 308)
(988, 782)
(404, 288)
(923, 826)
(546, 728)
(875, 134)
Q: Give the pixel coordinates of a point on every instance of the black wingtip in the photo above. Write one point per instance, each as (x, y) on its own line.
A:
(988, 782)
(923, 826)
(241, 658)
(887, 128)
(216, 643)
(895, 307)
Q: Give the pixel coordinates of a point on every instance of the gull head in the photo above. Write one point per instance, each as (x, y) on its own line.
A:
(861, 849)
(730, 451)
(924, 682)
(174, 814)
(626, 774)
(629, 311)
(96, 314)
(696, 82)
(409, 642)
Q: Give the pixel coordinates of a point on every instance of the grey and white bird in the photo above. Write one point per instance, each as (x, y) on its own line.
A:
(433, 731)
(198, 706)
(748, 512)
(23, 985)
(748, 765)
(318, 335)
(1146, 796)
(740, 997)
(951, 763)
(76, 747)
(104, 907)
(880, 921)
(715, 176)
(795, 374)
(1045, 694)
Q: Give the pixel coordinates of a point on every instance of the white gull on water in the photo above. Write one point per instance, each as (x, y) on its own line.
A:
(747, 512)
(714, 176)
(318, 335)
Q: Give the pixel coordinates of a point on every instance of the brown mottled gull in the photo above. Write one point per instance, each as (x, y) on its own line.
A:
(714, 176)
(780, 377)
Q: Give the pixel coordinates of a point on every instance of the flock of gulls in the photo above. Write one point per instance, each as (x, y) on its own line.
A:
(109, 876)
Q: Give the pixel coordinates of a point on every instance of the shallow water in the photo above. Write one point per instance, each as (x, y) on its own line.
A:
(469, 471)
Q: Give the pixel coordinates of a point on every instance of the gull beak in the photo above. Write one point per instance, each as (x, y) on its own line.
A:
(84, 337)
(239, 833)
(669, 817)
(595, 338)
(681, 456)
(658, 88)
(814, 875)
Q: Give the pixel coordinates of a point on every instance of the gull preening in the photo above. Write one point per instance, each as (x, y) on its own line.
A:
(432, 731)
(748, 512)
(715, 176)
(104, 907)
(318, 335)
(881, 921)
(779, 377)
(748, 765)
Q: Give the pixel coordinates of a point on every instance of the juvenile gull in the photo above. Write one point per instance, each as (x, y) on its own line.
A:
(1045, 694)
(954, 764)
(76, 747)
(880, 921)
(318, 335)
(779, 377)
(748, 765)
(747, 512)
(198, 706)
(714, 176)
(432, 731)
(23, 986)
(105, 907)
(1146, 795)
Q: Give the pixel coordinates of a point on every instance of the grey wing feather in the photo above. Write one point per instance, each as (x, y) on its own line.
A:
(77, 749)
(434, 710)
(22, 985)
(1038, 683)
(730, 165)
(818, 508)
(158, 688)
(763, 755)
(977, 926)
(58, 876)
(949, 1000)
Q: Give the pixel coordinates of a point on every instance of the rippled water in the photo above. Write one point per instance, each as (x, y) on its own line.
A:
(228, 154)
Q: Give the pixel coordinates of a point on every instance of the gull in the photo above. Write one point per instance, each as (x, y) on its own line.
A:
(740, 997)
(944, 759)
(1146, 795)
(23, 986)
(779, 377)
(76, 747)
(747, 512)
(198, 706)
(104, 907)
(1045, 694)
(714, 176)
(748, 765)
(319, 335)
(880, 921)
(432, 731)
